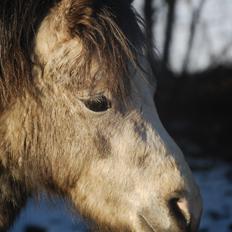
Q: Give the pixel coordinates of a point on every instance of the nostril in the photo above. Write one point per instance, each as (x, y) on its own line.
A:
(183, 206)
(180, 210)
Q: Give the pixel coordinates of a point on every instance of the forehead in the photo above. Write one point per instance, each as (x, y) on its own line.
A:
(69, 66)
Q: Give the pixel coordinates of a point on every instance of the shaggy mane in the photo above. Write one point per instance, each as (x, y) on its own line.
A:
(19, 20)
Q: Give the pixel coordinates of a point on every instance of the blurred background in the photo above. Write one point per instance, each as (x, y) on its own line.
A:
(193, 66)
(193, 42)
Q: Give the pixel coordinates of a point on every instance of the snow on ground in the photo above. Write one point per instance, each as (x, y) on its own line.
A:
(214, 179)
(47, 216)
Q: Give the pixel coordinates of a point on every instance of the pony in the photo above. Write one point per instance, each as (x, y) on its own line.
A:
(77, 119)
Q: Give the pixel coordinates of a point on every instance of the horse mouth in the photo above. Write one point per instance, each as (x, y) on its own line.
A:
(146, 224)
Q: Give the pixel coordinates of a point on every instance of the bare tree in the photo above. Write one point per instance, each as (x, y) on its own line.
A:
(171, 4)
(193, 27)
(148, 13)
(150, 19)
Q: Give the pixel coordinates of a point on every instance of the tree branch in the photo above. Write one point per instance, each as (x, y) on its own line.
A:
(194, 23)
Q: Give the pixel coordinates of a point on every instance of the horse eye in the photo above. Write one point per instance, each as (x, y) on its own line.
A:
(98, 104)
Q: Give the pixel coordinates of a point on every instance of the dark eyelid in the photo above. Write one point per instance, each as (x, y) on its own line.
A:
(97, 104)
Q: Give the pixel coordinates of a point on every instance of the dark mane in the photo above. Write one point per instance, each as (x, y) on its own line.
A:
(107, 28)
(18, 23)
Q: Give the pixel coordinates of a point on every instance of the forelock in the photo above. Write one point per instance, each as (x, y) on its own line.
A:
(110, 34)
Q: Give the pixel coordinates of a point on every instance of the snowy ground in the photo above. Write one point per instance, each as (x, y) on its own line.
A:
(214, 179)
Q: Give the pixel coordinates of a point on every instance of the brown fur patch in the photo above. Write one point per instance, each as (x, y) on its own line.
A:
(102, 144)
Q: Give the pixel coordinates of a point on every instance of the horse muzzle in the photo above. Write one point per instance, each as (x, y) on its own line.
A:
(178, 214)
